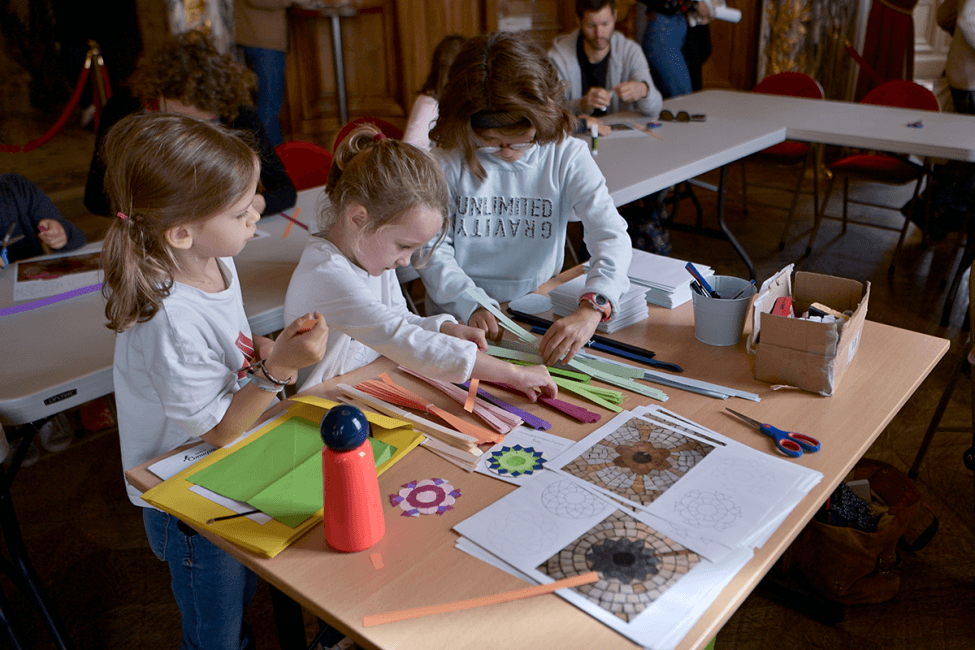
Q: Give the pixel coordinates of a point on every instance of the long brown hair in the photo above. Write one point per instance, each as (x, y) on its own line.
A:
(443, 56)
(387, 177)
(163, 171)
(506, 74)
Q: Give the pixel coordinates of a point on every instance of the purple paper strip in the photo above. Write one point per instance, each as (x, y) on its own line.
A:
(533, 421)
(67, 295)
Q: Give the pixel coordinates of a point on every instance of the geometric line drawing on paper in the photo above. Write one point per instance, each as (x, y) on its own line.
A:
(636, 564)
(522, 533)
(515, 461)
(638, 461)
(743, 474)
(426, 497)
(708, 510)
(568, 500)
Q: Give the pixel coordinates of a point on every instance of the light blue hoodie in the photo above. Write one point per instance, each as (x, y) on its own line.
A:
(507, 233)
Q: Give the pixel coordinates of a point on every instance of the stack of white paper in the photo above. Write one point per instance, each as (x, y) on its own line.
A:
(665, 280)
(632, 309)
(666, 511)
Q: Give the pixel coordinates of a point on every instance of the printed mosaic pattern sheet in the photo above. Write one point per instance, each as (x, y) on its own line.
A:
(665, 510)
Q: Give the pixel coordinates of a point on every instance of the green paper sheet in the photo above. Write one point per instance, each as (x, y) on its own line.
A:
(280, 473)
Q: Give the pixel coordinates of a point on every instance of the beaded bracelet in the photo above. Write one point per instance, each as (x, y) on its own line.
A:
(269, 383)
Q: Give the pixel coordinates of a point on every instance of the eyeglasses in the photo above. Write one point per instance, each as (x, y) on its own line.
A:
(683, 116)
(517, 146)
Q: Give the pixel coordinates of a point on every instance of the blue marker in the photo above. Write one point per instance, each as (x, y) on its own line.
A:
(700, 278)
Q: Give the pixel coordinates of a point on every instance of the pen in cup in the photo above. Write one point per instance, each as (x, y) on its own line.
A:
(738, 295)
(700, 279)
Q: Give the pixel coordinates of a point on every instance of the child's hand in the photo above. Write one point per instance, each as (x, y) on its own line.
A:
(485, 320)
(568, 335)
(52, 233)
(534, 381)
(301, 344)
(465, 333)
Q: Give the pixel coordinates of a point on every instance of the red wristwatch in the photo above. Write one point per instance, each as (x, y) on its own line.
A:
(598, 302)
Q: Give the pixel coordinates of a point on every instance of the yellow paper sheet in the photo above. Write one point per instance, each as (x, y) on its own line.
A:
(174, 496)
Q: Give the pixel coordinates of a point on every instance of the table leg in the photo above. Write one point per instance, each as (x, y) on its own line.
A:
(288, 618)
(725, 232)
(21, 569)
(722, 187)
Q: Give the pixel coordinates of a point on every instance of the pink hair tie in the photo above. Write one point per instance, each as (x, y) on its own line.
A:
(122, 215)
(379, 136)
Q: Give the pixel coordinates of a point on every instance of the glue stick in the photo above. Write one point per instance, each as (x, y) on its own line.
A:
(594, 130)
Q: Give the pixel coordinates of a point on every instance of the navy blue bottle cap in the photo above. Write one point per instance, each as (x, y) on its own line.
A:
(344, 427)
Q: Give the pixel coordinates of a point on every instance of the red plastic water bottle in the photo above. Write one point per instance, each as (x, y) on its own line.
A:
(353, 508)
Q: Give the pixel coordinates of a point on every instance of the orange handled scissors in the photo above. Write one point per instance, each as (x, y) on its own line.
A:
(789, 443)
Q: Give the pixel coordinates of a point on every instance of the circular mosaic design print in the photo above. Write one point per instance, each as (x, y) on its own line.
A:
(639, 461)
(636, 564)
(433, 496)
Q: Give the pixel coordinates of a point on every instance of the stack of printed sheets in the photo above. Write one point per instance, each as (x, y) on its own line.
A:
(664, 279)
(663, 509)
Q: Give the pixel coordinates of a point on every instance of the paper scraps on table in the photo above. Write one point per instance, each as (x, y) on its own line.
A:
(377, 561)
(432, 496)
(532, 303)
(496, 417)
(389, 391)
(293, 221)
(516, 460)
(508, 596)
(471, 396)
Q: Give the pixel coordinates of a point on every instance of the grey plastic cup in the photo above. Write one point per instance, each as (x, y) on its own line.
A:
(721, 321)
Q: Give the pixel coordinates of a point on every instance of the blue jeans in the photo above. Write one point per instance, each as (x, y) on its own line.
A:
(211, 588)
(268, 65)
(662, 43)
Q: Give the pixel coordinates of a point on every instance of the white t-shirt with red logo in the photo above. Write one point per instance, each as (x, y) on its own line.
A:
(175, 375)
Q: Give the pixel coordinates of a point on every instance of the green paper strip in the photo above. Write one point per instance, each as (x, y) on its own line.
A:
(581, 390)
(561, 372)
(516, 355)
(613, 369)
(628, 384)
(513, 327)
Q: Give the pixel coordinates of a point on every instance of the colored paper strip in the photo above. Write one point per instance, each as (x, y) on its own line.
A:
(67, 295)
(506, 597)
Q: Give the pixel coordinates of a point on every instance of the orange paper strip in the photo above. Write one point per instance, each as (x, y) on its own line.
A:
(508, 596)
(471, 396)
(377, 560)
(287, 230)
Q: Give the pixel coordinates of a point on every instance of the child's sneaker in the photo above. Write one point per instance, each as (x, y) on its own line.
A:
(56, 434)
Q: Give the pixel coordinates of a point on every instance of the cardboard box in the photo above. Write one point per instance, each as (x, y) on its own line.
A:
(806, 354)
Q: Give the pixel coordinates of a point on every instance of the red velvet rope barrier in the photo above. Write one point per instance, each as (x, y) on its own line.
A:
(62, 120)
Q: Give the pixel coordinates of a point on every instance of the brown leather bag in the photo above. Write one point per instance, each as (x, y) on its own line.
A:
(850, 566)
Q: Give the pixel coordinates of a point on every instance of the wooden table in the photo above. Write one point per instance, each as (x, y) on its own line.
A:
(422, 567)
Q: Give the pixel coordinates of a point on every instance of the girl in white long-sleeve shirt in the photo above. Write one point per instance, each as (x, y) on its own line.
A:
(386, 199)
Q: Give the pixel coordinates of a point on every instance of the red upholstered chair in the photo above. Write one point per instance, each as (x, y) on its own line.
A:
(873, 167)
(791, 153)
(306, 163)
(389, 130)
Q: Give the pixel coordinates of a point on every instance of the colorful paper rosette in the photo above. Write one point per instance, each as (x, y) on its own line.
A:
(432, 496)
(515, 461)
